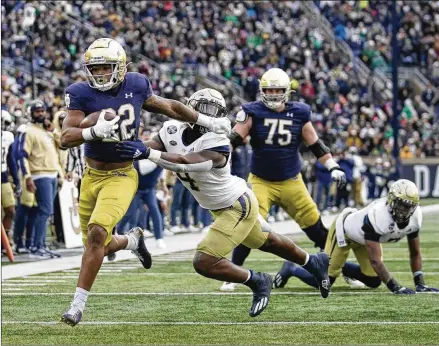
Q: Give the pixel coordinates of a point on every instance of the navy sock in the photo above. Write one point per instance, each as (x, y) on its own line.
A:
(353, 271)
(305, 276)
(240, 253)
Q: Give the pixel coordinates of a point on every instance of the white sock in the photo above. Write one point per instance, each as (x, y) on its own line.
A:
(306, 259)
(249, 276)
(133, 241)
(80, 297)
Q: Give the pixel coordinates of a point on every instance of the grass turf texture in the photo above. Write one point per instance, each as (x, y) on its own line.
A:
(194, 307)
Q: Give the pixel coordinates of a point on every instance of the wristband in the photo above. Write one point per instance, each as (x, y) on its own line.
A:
(393, 285)
(331, 164)
(88, 134)
(418, 278)
(154, 155)
(204, 120)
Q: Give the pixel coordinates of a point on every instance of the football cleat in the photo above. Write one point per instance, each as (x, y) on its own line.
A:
(261, 293)
(228, 287)
(141, 252)
(318, 266)
(281, 278)
(72, 316)
(111, 256)
(354, 283)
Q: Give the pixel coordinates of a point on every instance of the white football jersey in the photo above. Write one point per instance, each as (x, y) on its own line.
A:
(382, 222)
(7, 140)
(215, 189)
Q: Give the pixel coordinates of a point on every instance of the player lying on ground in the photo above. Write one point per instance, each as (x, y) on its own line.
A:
(384, 220)
(202, 162)
(110, 180)
(277, 128)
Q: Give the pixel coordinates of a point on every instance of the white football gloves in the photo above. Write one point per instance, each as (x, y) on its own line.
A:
(217, 125)
(338, 176)
(102, 129)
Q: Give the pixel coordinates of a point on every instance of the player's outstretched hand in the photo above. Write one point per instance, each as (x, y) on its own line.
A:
(221, 126)
(133, 150)
(424, 288)
(338, 175)
(403, 290)
(105, 128)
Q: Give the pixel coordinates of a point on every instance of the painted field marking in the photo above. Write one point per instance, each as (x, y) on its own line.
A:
(177, 294)
(32, 281)
(189, 323)
(30, 284)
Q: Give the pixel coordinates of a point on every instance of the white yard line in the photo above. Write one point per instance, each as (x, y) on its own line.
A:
(12, 284)
(30, 281)
(177, 294)
(190, 323)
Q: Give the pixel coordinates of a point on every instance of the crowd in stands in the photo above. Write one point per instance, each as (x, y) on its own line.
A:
(367, 26)
(174, 43)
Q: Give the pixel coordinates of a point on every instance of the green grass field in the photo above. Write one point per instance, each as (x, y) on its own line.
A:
(171, 304)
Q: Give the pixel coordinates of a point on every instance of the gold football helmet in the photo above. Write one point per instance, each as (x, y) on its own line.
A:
(274, 78)
(402, 200)
(105, 51)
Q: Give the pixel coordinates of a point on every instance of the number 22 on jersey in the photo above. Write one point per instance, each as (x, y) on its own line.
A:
(281, 125)
(126, 131)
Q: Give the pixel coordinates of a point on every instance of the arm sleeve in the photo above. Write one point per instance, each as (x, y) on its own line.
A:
(12, 164)
(27, 151)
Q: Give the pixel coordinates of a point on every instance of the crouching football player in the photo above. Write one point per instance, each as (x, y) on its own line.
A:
(388, 219)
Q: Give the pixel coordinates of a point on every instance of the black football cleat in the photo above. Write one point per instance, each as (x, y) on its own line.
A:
(261, 293)
(141, 252)
(72, 316)
(281, 278)
(318, 266)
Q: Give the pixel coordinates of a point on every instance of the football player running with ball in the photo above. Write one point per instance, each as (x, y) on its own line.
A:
(110, 180)
(201, 159)
(277, 127)
(388, 219)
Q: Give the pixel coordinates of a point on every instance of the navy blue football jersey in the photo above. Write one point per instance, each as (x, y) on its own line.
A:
(275, 139)
(126, 100)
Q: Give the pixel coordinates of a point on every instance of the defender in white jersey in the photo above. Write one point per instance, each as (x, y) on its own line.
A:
(388, 219)
(9, 166)
(202, 162)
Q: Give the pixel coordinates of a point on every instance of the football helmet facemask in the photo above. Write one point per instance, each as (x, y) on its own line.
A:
(402, 200)
(209, 102)
(274, 78)
(105, 51)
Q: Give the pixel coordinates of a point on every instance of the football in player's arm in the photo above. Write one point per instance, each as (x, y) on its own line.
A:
(73, 135)
(111, 89)
(191, 148)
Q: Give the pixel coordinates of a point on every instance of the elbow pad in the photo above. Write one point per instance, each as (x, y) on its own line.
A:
(319, 149)
(235, 139)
